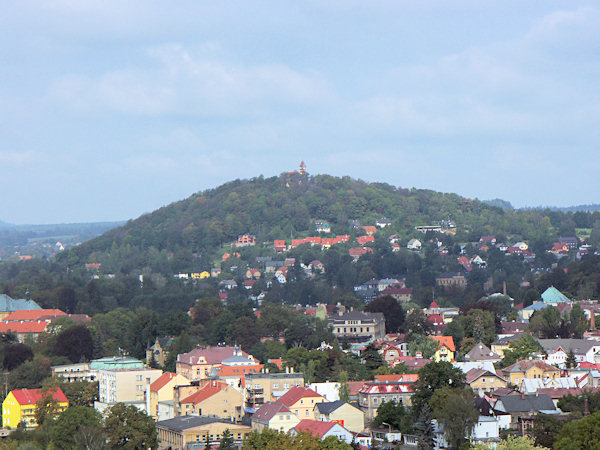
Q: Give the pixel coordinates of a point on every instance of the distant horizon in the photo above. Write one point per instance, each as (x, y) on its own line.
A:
(112, 109)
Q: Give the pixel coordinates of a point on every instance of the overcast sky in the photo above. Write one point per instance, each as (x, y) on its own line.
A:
(109, 109)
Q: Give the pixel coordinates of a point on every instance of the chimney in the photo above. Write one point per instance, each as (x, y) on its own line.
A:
(504, 287)
(592, 320)
(586, 406)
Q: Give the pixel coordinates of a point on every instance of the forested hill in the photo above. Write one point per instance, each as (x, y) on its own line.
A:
(191, 231)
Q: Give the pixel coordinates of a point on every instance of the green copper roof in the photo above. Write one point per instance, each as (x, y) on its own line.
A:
(116, 362)
(554, 296)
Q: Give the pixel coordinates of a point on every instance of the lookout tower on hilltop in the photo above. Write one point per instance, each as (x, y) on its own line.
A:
(302, 170)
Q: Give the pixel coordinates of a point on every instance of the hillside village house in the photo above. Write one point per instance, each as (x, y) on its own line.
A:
(484, 382)
(125, 386)
(451, 280)
(323, 430)
(301, 401)
(529, 369)
(374, 393)
(446, 349)
(558, 350)
(162, 395)
(358, 326)
(276, 416)
(215, 398)
(344, 413)
(20, 406)
(199, 363)
(9, 305)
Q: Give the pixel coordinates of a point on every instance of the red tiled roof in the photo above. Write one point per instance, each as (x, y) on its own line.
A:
(364, 239)
(212, 355)
(355, 386)
(445, 340)
(24, 327)
(407, 377)
(233, 371)
(205, 392)
(433, 305)
(162, 381)
(31, 396)
(315, 427)
(33, 314)
(296, 393)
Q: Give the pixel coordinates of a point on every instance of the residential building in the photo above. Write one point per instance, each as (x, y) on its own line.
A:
(162, 391)
(484, 382)
(520, 370)
(125, 386)
(276, 416)
(214, 398)
(190, 432)
(199, 363)
(451, 280)
(482, 352)
(502, 344)
(245, 240)
(558, 350)
(446, 349)
(20, 405)
(358, 326)
(266, 387)
(373, 393)
(414, 244)
(344, 413)
(323, 430)
(158, 351)
(301, 401)
(523, 409)
(88, 371)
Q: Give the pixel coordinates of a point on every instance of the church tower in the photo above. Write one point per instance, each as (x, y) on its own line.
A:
(302, 168)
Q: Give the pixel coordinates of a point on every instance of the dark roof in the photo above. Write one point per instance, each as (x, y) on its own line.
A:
(526, 403)
(329, 407)
(481, 352)
(358, 315)
(185, 422)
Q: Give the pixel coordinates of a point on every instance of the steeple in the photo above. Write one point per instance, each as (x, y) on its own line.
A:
(302, 170)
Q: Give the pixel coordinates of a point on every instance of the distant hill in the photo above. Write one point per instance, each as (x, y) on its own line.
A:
(503, 204)
(579, 208)
(188, 234)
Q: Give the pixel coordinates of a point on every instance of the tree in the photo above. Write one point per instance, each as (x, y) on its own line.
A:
(391, 413)
(372, 358)
(46, 408)
(424, 429)
(128, 427)
(511, 443)
(455, 410)
(546, 322)
(75, 343)
(70, 422)
(16, 354)
(578, 321)
(392, 312)
(545, 429)
(571, 361)
(226, 441)
(581, 434)
(343, 388)
(79, 393)
(416, 323)
(207, 444)
(424, 345)
(89, 437)
(434, 376)
(521, 348)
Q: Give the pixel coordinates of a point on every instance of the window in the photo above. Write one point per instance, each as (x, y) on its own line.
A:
(275, 385)
(138, 378)
(307, 412)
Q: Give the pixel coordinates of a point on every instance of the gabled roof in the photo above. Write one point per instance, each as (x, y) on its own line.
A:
(31, 396)
(24, 327)
(475, 374)
(267, 411)
(182, 423)
(553, 295)
(522, 366)
(446, 341)
(525, 403)
(481, 352)
(579, 346)
(162, 381)
(329, 407)
(315, 427)
(212, 355)
(292, 396)
(208, 391)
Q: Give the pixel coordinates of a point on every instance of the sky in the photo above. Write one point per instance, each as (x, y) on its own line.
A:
(112, 109)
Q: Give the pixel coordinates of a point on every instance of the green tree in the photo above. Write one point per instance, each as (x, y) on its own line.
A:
(75, 343)
(578, 322)
(416, 323)
(424, 345)
(571, 361)
(510, 443)
(424, 429)
(226, 441)
(69, 423)
(371, 357)
(343, 388)
(392, 312)
(546, 322)
(545, 429)
(128, 427)
(582, 434)
(434, 376)
(455, 410)
(15, 355)
(521, 348)
(46, 408)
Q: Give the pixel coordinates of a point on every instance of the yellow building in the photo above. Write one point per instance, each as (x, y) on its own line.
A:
(276, 416)
(446, 349)
(528, 369)
(348, 416)
(484, 382)
(301, 401)
(161, 390)
(20, 406)
(178, 432)
(216, 399)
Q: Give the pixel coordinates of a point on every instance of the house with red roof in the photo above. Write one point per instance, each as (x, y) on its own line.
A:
(34, 314)
(301, 401)
(446, 349)
(280, 246)
(162, 395)
(369, 229)
(198, 363)
(276, 416)
(20, 406)
(215, 398)
(357, 252)
(374, 393)
(24, 329)
(322, 430)
(362, 240)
